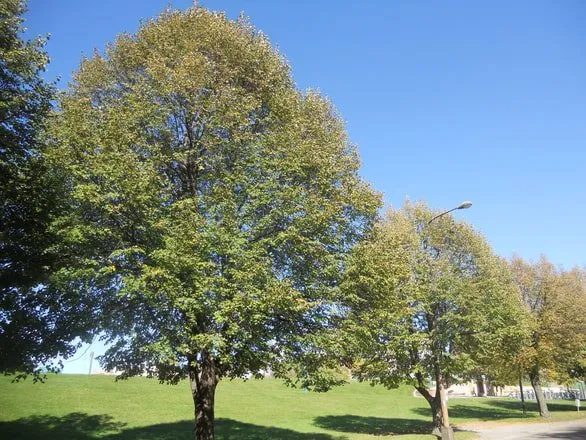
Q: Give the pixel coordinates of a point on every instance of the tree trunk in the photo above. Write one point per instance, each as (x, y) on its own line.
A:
(536, 383)
(480, 390)
(490, 391)
(436, 409)
(441, 398)
(434, 403)
(203, 380)
(522, 395)
(436, 413)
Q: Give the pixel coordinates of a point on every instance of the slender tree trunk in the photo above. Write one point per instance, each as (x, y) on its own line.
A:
(490, 388)
(434, 404)
(522, 395)
(481, 391)
(203, 380)
(446, 431)
(436, 412)
(536, 383)
(436, 409)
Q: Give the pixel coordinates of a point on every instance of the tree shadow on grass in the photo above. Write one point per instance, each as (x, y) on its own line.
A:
(227, 429)
(80, 426)
(373, 425)
(531, 405)
(77, 426)
(478, 412)
(495, 409)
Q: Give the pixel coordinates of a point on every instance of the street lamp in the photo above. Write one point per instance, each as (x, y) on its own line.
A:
(446, 431)
(463, 205)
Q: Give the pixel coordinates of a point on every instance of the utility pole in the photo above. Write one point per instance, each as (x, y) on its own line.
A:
(91, 361)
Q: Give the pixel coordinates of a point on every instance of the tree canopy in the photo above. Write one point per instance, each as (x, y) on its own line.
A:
(36, 323)
(425, 299)
(184, 200)
(212, 203)
(555, 306)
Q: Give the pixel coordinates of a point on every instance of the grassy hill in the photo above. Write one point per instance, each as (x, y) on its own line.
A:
(96, 407)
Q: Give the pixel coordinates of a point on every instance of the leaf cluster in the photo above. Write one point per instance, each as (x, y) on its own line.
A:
(555, 307)
(212, 202)
(426, 299)
(37, 322)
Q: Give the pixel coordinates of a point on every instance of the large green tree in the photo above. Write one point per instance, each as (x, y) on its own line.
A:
(425, 300)
(37, 323)
(555, 305)
(213, 204)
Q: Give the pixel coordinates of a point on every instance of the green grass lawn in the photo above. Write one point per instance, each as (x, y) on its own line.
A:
(92, 407)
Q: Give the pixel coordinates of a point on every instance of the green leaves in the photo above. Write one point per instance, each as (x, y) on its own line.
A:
(554, 308)
(221, 201)
(37, 321)
(425, 297)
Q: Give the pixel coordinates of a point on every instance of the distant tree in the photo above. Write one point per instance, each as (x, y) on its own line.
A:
(36, 322)
(555, 303)
(425, 300)
(578, 370)
(213, 203)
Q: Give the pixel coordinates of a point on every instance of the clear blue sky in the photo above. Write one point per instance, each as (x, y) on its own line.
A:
(446, 100)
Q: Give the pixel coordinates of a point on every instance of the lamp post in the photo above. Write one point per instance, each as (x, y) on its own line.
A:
(446, 430)
(463, 205)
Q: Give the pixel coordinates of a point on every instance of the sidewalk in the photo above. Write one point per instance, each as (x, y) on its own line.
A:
(566, 430)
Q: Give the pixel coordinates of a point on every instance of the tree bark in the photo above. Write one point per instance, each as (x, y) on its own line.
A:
(536, 383)
(203, 380)
(434, 403)
(441, 398)
(436, 413)
(522, 395)
(480, 390)
(436, 409)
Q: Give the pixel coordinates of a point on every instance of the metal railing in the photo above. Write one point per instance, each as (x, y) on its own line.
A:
(569, 394)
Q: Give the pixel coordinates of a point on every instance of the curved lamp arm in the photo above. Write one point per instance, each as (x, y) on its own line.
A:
(463, 205)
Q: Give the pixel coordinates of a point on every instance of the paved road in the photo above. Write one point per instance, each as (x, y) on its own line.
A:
(572, 430)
